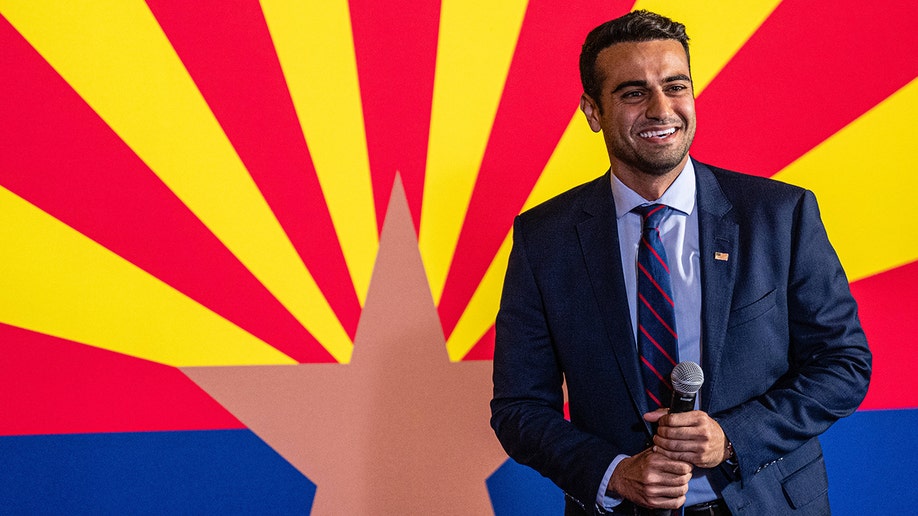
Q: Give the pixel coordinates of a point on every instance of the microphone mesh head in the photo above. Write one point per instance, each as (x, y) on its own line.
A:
(687, 377)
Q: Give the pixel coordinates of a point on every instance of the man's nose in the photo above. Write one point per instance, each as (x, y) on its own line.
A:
(659, 107)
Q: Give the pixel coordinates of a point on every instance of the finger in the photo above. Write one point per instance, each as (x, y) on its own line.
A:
(662, 494)
(691, 438)
(663, 463)
(702, 433)
(679, 457)
(679, 437)
(685, 457)
(673, 432)
(680, 451)
(698, 453)
(673, 474)
(664, 502)
(680, 442)
(689, 419)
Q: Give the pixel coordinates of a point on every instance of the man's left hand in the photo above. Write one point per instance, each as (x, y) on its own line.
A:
(689, 437)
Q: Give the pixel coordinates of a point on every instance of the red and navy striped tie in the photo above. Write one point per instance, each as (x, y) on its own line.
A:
(657, 339)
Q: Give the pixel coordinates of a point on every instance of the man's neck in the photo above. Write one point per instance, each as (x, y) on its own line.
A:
(647, 185)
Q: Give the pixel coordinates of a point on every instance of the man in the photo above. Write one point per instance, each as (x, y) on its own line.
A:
(758, 298)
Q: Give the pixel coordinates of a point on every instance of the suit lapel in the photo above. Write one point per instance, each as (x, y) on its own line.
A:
(598, 234)
(718, 243)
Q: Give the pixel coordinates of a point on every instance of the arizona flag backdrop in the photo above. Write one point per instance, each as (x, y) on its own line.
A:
(252, 252)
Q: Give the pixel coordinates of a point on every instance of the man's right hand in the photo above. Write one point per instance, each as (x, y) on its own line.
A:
(651, 480)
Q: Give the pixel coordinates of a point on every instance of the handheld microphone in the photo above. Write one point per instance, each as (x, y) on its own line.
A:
(687, 378)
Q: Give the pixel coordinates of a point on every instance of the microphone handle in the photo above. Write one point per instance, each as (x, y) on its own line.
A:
(682, 402)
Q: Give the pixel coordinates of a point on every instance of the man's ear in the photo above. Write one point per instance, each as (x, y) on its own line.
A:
(591, 111)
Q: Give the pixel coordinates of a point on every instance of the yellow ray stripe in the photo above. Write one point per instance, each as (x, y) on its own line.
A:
(477, 40)
(716, 29)
(580, 156)
(865, 181)
(58, 282)
(481, 311)
(118, 59)
(316, 52)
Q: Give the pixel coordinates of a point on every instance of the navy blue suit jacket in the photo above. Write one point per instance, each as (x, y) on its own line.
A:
(783, 352)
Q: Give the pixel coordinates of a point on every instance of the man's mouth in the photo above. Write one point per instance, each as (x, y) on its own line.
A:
(663, 133)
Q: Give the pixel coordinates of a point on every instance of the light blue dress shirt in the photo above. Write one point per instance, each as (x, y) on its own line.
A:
(679, 232)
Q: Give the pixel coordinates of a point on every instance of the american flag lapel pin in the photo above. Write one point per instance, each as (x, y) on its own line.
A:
(721, 256)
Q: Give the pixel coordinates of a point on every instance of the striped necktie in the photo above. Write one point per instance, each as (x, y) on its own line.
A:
(657, 339)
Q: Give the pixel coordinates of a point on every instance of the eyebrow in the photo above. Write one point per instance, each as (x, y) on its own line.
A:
(630, 84)
(643, 84)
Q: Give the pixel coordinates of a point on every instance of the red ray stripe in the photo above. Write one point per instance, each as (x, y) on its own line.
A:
(539, 99)
(811, 69)
(396, 58)
(55, 386)
(484, 348)
(59, 155)
(887, 307)
(228, 51)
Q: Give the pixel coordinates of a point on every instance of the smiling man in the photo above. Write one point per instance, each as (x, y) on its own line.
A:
(664, 259)
(649, 116)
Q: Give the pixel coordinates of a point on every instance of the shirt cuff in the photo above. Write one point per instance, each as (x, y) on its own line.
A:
(602, 498)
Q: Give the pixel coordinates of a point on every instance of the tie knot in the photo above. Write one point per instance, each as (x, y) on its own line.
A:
(652, 214)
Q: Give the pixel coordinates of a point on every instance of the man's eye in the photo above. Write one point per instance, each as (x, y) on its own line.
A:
(632, 94)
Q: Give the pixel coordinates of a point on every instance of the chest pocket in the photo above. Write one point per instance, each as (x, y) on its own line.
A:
(753, 310)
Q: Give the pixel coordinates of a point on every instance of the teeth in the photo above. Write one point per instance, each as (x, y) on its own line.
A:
(657, 134)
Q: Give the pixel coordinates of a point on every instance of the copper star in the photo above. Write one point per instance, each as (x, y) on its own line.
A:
(399, 430)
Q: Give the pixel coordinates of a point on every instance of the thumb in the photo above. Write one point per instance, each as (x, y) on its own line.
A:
(653, 417)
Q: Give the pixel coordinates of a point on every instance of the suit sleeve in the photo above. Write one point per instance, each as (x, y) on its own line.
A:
(528, 403)
(828, 358)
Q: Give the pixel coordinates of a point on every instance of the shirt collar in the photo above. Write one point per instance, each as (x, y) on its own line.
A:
(680, 195)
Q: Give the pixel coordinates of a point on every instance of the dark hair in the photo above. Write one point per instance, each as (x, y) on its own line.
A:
(636, 26)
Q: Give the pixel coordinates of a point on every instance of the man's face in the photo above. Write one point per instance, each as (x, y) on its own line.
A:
(648, 106)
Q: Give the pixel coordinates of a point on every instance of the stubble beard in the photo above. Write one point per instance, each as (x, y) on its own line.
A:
(654, 164)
